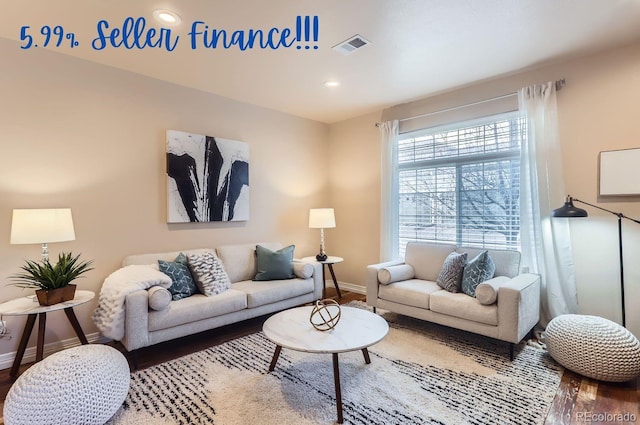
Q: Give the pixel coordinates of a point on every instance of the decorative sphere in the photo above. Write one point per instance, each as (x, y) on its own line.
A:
(325, 315)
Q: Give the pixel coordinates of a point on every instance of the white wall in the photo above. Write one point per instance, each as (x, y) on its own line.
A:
(598, 111)
(354, 176)
(81, 135)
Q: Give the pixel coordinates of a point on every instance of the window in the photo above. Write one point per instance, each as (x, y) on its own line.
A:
(460, 183)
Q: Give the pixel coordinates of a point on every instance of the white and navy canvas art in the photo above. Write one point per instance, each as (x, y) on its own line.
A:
(208, 178)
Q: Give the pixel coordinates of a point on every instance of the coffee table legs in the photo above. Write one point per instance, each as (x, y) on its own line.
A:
(336, 380)
(274, 360)
(365, 353)
(336, 375)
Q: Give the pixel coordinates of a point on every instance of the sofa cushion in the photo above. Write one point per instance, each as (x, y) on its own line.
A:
(197, 307)
(487, 292)
(208, 273)
(159, 297)
(274, 265)
(182, 285)
(396, 273)
(450, 276)
(413, 292)
(427, 258)
(240, 260)
(267, 292)
(464, 307)
(478, 269)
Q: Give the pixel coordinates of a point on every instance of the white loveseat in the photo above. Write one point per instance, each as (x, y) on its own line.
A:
(510, 317)
(245, 299)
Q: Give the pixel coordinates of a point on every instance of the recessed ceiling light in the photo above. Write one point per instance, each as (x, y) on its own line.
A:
(332, 83)
(166, 17)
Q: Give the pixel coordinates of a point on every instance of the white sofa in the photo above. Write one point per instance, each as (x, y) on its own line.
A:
(510, 318)
(245, 299)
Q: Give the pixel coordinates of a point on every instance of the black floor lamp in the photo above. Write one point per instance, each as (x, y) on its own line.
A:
(571, 211)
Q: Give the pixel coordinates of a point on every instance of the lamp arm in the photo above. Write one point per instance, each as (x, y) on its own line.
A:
(629, 218)
(617, 214)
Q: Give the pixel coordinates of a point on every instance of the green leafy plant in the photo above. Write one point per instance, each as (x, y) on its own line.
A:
(42, 275)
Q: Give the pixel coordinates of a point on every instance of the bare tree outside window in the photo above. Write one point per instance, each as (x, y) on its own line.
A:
(461, 184)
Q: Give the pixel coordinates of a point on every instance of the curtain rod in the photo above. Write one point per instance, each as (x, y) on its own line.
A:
(559, 84)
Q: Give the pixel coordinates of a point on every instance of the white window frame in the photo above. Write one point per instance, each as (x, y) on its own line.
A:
(457, 162)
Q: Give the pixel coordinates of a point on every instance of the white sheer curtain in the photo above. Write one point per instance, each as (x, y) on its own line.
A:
(389, 184)
(546, 242)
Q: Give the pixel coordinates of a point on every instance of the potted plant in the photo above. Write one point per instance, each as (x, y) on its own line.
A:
(53, 283)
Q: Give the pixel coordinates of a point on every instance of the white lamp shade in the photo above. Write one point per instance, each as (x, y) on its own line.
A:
(31, 226)
(322, 218)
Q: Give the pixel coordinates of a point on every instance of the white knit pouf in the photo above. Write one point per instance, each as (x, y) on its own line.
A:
(80, 385)
(594, 347)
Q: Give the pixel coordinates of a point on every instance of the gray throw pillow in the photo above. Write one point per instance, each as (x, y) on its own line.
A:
(451, 272)
(159, 298)
(182, 285)
(396, 273)
(274, 265)
(302, 270)
(209, 273)
(477, 270)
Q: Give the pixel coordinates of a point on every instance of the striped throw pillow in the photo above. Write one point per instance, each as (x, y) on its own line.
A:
(451, 272)
(209, 273)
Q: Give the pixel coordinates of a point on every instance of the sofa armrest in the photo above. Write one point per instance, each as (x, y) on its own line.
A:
(318, 278)
(371, 279)
(136, 321)
(518, 306)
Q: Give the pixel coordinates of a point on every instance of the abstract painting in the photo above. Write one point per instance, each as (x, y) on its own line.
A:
(207, 178)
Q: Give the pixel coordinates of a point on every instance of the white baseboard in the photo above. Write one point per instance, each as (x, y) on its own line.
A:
(351, 287)
(6, 360)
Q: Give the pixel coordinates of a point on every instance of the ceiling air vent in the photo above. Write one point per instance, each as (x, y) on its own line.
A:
(351, 45)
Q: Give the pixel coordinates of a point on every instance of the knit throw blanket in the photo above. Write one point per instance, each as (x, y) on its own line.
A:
(109, 315)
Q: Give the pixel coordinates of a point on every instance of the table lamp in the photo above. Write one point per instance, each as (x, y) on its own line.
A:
(321, 218)
(32, 226)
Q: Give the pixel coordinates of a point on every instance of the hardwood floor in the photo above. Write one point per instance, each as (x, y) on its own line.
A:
(581, 400)
(578, 400)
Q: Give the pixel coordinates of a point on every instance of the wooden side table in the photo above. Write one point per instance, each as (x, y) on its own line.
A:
(330, 261)
(28, 306)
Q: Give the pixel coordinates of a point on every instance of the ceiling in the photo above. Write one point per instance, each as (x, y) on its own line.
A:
(418, 47)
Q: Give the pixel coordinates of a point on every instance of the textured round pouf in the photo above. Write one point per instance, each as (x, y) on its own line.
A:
(594, 347)
(80, 385)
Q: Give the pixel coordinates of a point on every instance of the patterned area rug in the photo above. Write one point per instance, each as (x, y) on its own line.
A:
(421, 373)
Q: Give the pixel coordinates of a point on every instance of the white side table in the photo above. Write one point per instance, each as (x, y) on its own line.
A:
(29, 306)
(330, 261)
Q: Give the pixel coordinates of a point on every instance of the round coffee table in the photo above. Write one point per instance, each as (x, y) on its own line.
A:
(356, 330)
